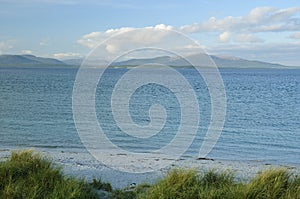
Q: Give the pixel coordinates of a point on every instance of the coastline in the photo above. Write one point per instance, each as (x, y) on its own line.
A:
(83, 165)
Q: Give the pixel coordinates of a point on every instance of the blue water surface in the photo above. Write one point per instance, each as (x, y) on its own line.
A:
(262, 121)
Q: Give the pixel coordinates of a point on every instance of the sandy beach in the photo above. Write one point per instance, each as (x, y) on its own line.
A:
(83, 165)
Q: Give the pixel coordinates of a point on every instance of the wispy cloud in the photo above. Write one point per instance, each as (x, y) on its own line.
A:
(27, 52)
(5, 46)
(260, 19)
(295, 35)
(68, 55)
(243, 28)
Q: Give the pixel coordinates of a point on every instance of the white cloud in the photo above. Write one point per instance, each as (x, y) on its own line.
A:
(115, 41)
(230, 29)
(237, 32)
(123, 41)
(224, 37)
(259, 14)
(26, 51)
(5, 46)
(68, 55)
(112, 48)
(92, 39)
(260, 19)
(296, 35)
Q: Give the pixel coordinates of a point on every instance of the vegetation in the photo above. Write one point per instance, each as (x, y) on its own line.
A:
(28, 175)
(188, 184)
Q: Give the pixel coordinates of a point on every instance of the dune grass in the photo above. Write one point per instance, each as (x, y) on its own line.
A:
(28, 175)
(270, 184)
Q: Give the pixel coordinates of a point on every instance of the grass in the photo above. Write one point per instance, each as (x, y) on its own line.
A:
(28, 175)
(271, 184)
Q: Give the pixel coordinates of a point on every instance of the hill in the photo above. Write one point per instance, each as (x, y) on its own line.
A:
(221, 62)
(28, 60)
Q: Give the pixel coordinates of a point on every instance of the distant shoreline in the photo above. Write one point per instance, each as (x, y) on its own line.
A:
(128, 67)
(27, 60)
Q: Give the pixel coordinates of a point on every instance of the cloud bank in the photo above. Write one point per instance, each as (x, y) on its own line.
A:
(239, 32)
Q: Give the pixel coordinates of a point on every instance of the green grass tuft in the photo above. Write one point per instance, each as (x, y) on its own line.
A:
(274, 184)
(177, 184)
(98, 184)
(28, 175)
(186, 184)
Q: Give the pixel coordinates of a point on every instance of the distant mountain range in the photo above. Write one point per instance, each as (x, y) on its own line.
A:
(28, 60)
(223, 62)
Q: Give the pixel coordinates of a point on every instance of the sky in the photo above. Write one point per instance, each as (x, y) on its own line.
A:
(256, 30)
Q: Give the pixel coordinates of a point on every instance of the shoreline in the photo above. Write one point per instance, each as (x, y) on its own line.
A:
(83, 165)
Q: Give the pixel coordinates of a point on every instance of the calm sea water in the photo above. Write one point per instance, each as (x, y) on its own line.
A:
(262, 120)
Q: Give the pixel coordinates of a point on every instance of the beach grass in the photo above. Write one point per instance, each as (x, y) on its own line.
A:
(28, 175)
(270, 184)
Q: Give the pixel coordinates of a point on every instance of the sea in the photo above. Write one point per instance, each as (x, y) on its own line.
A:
(262, 121)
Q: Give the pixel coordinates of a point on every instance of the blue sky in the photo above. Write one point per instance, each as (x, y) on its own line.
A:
(260, 30)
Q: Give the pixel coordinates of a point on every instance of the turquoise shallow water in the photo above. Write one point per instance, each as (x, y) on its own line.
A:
(262, 121)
